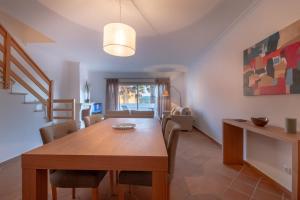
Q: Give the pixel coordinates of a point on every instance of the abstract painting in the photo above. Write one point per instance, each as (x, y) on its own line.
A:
(272, 66)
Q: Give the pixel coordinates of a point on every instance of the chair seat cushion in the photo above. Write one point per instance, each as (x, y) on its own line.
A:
(76, 178)
(135, 178)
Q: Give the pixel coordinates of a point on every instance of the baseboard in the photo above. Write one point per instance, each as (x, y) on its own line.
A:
(272, 181)
(206, 135)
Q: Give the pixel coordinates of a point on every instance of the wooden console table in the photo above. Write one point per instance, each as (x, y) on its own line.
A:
(233, 146)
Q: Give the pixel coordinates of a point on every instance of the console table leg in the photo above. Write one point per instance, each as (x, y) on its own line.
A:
(295, 171)
(233, 139)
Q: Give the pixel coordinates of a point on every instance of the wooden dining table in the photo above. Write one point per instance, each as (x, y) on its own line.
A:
(100, 147)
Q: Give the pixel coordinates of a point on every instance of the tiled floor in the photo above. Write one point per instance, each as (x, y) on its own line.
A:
(199, 175)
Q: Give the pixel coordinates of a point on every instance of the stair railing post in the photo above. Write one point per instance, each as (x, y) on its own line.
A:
(73, 109)
(6, 69)
(50, 102)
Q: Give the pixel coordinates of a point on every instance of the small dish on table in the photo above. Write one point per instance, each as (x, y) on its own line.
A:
(124, 126)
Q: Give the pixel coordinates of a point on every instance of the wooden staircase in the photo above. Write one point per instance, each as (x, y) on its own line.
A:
(22, 76)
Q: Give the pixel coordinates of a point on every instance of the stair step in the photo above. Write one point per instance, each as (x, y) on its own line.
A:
(60, 117)
(38, 110)
(32, 102)
(62, 109)
(19, 93)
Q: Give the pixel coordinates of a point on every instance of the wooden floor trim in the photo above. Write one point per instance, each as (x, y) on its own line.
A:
(269, 179)
(206, 135)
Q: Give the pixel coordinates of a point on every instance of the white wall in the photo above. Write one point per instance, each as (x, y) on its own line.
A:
(98, 83)
(19, 124)
(215, 86)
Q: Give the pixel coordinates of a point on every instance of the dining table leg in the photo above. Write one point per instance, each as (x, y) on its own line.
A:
(34, 184)
(160, 185)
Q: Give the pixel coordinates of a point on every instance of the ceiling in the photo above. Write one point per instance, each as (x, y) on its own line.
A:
(171, 34)
(24, 33)
(147, 17)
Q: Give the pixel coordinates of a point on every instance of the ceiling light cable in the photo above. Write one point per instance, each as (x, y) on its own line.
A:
(120, 14)
(144, 17)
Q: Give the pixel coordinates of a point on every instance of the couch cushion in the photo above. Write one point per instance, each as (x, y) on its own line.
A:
(185, 111)
(176, 111)
(173, 110)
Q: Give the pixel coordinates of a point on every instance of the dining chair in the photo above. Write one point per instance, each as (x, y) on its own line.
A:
(85, 112)
(170, 127)
(142, 114)
(70, 178)
(144, 178)
(93, 119)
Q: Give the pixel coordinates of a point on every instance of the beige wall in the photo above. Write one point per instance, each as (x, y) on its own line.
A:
(215, 86)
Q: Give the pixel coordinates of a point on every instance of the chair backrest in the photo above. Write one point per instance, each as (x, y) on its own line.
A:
(172, 148)
(170, 127)
(57, 131)
(85, 112)
(93, 119)
(118, 114)
(142, 114)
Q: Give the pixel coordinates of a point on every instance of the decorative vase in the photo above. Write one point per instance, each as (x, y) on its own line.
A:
(87, 89)
(87, 97)
(291, 125)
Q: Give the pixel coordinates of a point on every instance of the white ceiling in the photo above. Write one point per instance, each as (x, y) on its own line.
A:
(171, 34)
(148, 17)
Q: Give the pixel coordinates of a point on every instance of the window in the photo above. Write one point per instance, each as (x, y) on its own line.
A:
(137, 96)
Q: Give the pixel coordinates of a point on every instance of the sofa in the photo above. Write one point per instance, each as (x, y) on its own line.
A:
(129, 114)
(181, 115)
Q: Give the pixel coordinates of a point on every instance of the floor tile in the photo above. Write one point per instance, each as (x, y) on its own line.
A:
(268, 187)
(242, 187)
(263, 195)
(231, 194)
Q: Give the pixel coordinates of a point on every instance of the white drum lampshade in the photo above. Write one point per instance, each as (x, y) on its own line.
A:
(119, 39)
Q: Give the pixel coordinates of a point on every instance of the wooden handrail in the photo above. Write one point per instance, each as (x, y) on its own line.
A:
(65, 101)
(62, 109)
(34, 66)
(46, 86)
(2, 48)
(9, 44)
(30, 76)
(50, 101)
(27, 87)
(2, 30)
(62, 117)
(6, 69)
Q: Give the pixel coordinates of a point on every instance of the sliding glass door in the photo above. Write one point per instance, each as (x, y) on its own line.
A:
(137, 96)
(127, 97)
